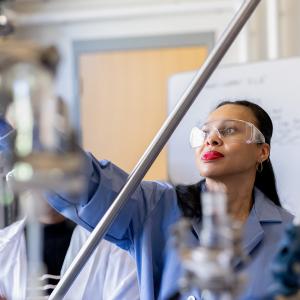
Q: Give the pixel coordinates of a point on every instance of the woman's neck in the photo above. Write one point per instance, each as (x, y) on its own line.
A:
(239, 193)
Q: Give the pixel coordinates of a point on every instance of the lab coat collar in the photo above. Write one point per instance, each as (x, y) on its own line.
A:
(263, 207)
(253, 232)
(263, 211)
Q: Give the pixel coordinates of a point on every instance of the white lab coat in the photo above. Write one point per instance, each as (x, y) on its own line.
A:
(13, 263)
(109, 274)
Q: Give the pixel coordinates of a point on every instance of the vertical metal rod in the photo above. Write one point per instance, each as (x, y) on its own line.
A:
(159, 141)
(273, 29)
(243, 40)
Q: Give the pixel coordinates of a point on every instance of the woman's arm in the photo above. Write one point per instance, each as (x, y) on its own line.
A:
(105, 180)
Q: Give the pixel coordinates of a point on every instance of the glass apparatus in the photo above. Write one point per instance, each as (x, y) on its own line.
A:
(209, 265)
(38, 153)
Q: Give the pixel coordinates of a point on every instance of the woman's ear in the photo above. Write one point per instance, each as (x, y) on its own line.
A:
(264, 152)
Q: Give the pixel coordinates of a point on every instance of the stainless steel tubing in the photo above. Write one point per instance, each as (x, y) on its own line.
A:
(159, 141)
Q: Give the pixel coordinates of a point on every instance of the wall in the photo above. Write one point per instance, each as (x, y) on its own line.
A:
(64, 26)
(290, 28)
(64, 22)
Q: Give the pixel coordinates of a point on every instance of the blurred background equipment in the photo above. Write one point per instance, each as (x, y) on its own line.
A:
(6, 22)
(285, 268)
(38, 153)
(45, 153)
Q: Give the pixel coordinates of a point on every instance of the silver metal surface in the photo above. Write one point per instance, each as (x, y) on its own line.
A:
(187, 99)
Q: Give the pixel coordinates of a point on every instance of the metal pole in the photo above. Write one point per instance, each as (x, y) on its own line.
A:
(159, 141)
(273, 29)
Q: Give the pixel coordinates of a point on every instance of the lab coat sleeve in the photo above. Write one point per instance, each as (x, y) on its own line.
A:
(105, 182)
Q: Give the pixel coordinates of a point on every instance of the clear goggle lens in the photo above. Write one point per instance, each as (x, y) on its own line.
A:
(230, 131)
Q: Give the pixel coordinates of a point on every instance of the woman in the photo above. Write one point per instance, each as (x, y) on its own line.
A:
(232, 148)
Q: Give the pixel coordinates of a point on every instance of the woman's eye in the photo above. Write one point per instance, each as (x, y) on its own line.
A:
(205, 132)
(227, 131)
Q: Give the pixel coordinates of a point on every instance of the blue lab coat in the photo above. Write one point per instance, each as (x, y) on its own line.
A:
(143, 228)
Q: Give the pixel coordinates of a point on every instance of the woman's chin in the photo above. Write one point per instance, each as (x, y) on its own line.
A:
(210, 173)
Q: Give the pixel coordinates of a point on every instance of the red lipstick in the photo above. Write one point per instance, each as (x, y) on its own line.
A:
(211, 155)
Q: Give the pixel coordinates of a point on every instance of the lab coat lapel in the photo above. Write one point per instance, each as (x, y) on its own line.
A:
(263, 211)
(253, 233)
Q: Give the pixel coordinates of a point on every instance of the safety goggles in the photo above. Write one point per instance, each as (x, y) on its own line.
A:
(230, 131)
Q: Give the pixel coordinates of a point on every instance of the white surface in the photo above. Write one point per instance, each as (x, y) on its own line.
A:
(13, 265)
(273, 29)
(275, 86)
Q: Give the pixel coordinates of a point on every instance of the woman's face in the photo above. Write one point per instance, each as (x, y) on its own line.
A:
(217, 158)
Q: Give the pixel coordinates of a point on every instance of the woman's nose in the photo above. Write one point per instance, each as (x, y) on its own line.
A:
(214, 138)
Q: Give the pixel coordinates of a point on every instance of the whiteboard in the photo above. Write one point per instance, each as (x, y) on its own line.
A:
(275, 85)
